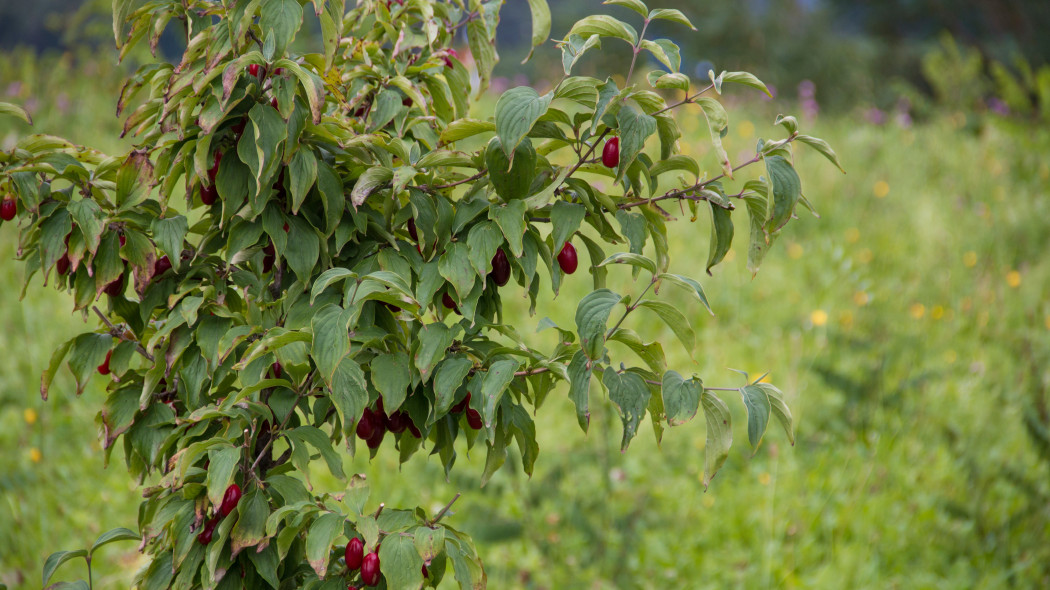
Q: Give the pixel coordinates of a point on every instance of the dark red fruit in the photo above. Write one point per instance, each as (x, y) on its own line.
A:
(276, 370)
(366, 426)
(448, 58)
(268, 262)
(500, 268)
(161, 266)
(611, 153)
(286, 228)
(415, 431)
(278, 72)
(377, 437)
(567, 259)
(209, 527)
(103, 369)
(253, 69)
(238, 128)
(461, 405)
(8, 208)
(370, 569)
(447, 301)
(412, 230)
(397, 422)
(209, 194)
(62, 266)
(474, 419)
(122, 239)
(351, 587)
(115, 288)
(355, 554)
(273, 103)
(230, 500)
(426, 574)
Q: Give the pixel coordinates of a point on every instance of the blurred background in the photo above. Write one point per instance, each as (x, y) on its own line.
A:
(909, 325)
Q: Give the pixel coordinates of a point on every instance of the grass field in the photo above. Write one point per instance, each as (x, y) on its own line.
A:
(909, 326)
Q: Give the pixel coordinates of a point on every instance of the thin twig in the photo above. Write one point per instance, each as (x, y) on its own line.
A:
(443, 511)
(531, 372)
(483, 172)
(115, 331)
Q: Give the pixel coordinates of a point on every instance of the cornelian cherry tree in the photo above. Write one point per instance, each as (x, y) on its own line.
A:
(303, 256)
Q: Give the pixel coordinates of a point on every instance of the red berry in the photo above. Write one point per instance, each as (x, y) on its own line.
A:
(448, 58)
(412, 230)
(253, 69)
(611, 153)
(273, 103)
(268, 262)
(355, 554)
(500, 268)
(286, 228)
(209, 194)
(103, 369)
(123, 240)
(567, 259)
(115, 288)
(415, 431)
(426, 574)
(161, 266)
(447, 301)
(366, 426)
(238, 128)
(462, 405)
(8, 208)
(62, 266)
(209, 527)
(278, 72)
(474, 419)
(370, 569)
(230, 500)
(397, 422)
(276, 370)
(377, 437)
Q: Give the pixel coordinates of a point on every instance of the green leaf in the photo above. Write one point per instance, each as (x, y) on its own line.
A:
(631, 394)
(88, 352)
(320, 441)
(606, 26)
(464, 128)
(541, 24)
(391, 376)
(250, 530)
(786, 187)
(747, 79)
(511, 219)
(694, 287)
(607, 91)
(592, 315)
(580, 369)
(447, 379)
(221, 468)
(671, 14)
(170, 234)
(635, 5)
(635, 128)
(635, 260)
(58, 558)
(511, 176)
(573, 48)
(674, 320)
(372, 179)
(480, 39)
(434, 340)
(719, 434)
(780, 409)
(565, 220)
(281, 19)
(666, 52)
(89, 219)
(517, 110)
(320, 538)
(400, 563)
(331, 340)
(302, 174)
(721, 235)
(349, 393)
(496, 381)
(455, 267)
(822, 146)
(7, 108)
(482, 242)
(57, 357)
(756, 400)
(718, 123)
(429, 542)
(681, 397)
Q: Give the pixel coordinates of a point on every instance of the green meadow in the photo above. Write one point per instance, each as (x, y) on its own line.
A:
(909, 326)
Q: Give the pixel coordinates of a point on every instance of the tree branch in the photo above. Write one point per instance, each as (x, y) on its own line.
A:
(441, 514)
(115, 331)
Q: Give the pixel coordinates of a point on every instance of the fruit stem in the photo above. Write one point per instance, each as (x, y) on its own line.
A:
(631, 308)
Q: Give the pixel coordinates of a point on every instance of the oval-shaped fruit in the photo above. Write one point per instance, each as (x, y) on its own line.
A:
(567, 259)
(253, 69)
(412, 230)
(511, 180)
(462, 405)
(370, 569)
(214, 170)
(62, 265)
(397, 422)
(377, 437)
(447, 301)
(103, 369)
(448, 58)
(123, 240)
(161, 266)
(230, 500)
(366, 426)
(8, 208)
(276, 370)
(474, 419)
(209, 527)
(426, 574)
(500, 268)
(611, 153)
(273, 103)
(354, 554)
(209, 194)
